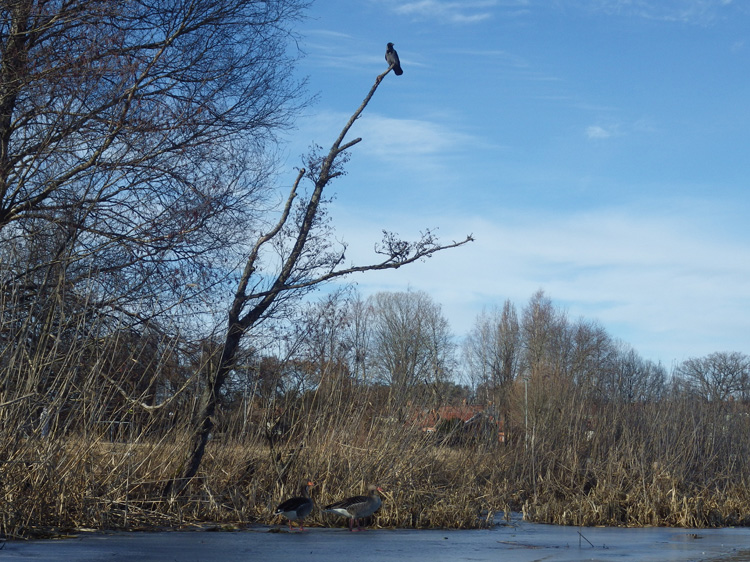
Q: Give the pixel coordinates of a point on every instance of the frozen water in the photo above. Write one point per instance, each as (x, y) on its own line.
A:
(509, 541)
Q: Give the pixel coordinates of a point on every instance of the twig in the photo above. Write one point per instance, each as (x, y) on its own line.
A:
(9, 402)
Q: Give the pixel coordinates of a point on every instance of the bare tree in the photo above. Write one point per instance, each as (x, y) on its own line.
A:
(493, 353)
(358, 337)
(324, 348)
(137, 133)
(411, 344)
(545, 337)
(627, 377)
(134, 155)
(305, 258)
(592, 351)
(718, 376)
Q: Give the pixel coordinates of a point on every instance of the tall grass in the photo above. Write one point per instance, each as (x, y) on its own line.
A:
(644, 467)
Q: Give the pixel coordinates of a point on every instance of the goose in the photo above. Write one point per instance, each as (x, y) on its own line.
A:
(298, 507)
(357, 507)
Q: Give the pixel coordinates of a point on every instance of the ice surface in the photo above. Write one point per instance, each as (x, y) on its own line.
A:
(509, 541)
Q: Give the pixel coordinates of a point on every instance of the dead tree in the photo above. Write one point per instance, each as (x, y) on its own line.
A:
(301, 268)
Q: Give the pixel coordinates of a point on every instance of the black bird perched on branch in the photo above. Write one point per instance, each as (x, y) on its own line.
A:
(391, 57)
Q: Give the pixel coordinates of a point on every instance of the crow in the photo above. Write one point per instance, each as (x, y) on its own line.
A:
(391, 57)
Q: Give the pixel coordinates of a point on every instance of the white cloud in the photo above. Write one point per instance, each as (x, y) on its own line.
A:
(597, 132)
(452, 12)
(665, 286)
(329, 34)
(640, 126)
(428, 155)
(405, 139)
(415, 143)
(698, 12)
(506, 57)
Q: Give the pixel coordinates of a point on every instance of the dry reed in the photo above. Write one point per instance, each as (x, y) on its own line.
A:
(53, 484)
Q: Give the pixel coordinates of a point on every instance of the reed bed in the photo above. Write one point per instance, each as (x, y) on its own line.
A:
(54, 487)
(567, 458)
(57, 484)
(50, 485)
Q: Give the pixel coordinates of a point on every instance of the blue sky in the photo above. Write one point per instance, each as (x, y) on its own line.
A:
(597, 150)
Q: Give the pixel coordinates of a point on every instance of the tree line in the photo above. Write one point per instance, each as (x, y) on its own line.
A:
(402, 342)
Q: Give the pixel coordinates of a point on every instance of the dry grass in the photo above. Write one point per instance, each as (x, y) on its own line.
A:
(75, 482)
(97, 484)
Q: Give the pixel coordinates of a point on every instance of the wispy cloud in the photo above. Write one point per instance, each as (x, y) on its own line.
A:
(640, 126)
(598, 132)
(698, 12)
(505, 57)
(426, 147)
(349, 61)
(405, 139)
(466, 12)
(328, 34)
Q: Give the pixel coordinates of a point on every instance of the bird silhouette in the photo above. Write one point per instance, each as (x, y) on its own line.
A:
(391, 57)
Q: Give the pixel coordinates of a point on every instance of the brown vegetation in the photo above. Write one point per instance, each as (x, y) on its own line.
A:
(677, 462)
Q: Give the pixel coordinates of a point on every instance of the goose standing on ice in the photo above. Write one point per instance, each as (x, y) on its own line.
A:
(297, 508)
(357, 507)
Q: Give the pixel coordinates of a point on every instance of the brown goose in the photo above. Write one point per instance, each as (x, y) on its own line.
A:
(298, 507)
(357, 507)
